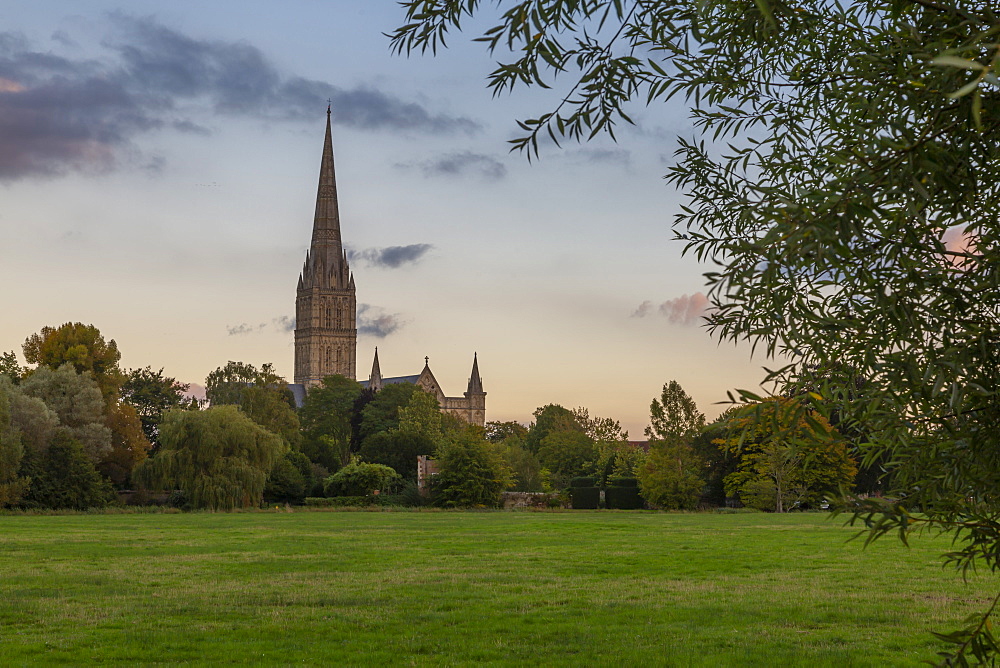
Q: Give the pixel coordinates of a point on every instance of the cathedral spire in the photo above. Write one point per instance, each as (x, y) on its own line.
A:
(475, 382)
(329, 261)
(375, 380)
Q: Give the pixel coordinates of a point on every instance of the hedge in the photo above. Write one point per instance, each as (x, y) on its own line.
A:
(343, 501)
(622, 498)
(582, 481)
(585, 498)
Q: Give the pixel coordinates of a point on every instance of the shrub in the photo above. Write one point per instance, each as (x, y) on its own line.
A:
(361, 479)
(585, 498)
(583, 481)
(622, 498)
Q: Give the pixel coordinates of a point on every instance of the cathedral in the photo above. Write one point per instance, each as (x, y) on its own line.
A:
(326, 332)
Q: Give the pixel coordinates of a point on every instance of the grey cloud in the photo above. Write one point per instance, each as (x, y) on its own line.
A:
(244, 328)
(460, 164)
(390, 257)
(617, 156)
(376, 322)
(284, 323)
(59, 114)
(643, 309)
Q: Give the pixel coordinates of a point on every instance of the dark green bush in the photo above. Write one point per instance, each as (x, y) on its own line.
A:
(623, 482)
(345, 501)
(622, 498)
(583, 481)
(585, 498)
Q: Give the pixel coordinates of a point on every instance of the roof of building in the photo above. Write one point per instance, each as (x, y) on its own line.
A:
(393, 380)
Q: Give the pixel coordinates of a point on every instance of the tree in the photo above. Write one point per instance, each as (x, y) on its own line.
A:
(328, 412)
(219, 457)
(567, 454)
(674, 417)
(152, 394)
(63, 476)
(76, 399)
(670, 477)
(261, 394)
(10, 368)
(398, 450)
(35, 422)
(382, 412)
(498, 432)
(471, 472)
(84, 347)
(286, 483)
(12, 485)
(860, 135)
(787, 458)
(129, 445)
(548, 419)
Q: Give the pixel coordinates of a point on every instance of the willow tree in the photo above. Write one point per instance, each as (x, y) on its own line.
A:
(219, 458)
(844, 187)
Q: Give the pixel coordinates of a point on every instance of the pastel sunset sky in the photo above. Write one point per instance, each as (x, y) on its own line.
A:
(158, 171)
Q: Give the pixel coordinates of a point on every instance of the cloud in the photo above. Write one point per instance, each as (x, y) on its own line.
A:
(465, 163)
(60, 114)
(195, 390)
(683, 310)
(390, 257)
(615, 156)
(244, 328)
(376, 322)
(643, 309)
(284, 324)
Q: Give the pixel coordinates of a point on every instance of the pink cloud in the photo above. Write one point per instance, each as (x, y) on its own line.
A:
(683, 310)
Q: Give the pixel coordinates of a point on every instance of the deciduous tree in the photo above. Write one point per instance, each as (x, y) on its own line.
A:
(152, 394)
(84, 347)
(471, 472)
(219, 457)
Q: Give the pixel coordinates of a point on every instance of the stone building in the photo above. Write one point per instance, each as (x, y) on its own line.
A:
(326, 334)
(471, 406)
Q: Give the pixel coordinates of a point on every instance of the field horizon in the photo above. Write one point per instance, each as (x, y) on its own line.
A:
(510, 588)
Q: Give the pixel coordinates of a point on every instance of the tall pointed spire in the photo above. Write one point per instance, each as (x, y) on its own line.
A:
(375, 380)
(326, 265)
(325, 305)
(475, 382)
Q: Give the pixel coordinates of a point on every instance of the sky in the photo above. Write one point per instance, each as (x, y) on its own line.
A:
(158, 174)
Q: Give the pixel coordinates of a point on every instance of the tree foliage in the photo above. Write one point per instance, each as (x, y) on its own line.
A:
(845, 188)
(219, 457)
(382, 412)
(471, 472)
(787, 458)
(674, 417)
(327, 418)
(12, 485)
(550, 418)
(76, 399)
(152, 394)
(82, 346)
(670, 477)
(360, 478)
(261, 394)
(63, 476)
(9, 367)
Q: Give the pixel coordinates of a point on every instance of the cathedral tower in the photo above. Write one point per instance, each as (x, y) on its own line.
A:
(326, 335)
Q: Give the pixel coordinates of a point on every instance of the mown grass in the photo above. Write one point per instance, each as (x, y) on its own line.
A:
(452, 588)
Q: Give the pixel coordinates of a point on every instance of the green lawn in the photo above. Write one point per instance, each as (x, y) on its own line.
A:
(451, 588)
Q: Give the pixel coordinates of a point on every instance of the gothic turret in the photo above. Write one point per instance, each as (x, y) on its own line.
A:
(325, 304)
(375, 379)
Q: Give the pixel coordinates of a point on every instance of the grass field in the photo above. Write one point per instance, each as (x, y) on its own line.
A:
(452, 588)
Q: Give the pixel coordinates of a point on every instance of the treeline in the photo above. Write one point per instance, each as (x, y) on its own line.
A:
(75, 430)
